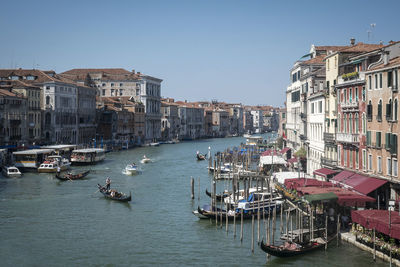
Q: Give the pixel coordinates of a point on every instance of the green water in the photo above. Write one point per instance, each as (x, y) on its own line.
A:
(44, 222)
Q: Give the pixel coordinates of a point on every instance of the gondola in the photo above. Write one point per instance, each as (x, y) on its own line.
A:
(117, 195)
(280, 251)
(70, 176)
(210, 214)
(218, 197)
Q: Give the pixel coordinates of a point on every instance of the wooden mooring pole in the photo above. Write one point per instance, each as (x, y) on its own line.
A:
(241, 225)
(192, 187)
(252, 233)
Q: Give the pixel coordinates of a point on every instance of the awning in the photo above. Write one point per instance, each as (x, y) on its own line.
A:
(342, 176)
(306, 55)
(325, 172)
(379, 220)
(284, 150)
(292, 160)
(364, 184)
(295, 183)
(270, 160)
(317, 198)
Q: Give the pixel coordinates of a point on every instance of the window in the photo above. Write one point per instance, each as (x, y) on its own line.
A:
(363, 94)
(356, 94)
(121, 84)
(103, 84)
(320, 106)
(389, 110)
(345, 157)
(339, 155)
(350, 123)
(112, 84)
(379, 163)
(364, 159)
(389, 166)
(395, 110)
(369, 82)
(370, 162)
(345, 123)
(378, 139)
(47, 100)
(368, 138)
(364, 124)
(357, 155)
(350, 95)
(356, 122)
(47, 87)
(351, 158)
(312, 108)
(380, 80)
(395, 167)
(112, 92)
(376, 81)
(379, 116)
(104, 92)
(344, 95)
(390, 79)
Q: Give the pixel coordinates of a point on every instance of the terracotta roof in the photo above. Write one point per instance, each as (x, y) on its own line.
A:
(4, 92)
(106, 70)
(393, 62)
(361, 47)
(330, 47)
(316, 60)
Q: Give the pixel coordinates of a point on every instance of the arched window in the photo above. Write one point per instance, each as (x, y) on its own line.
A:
(395, 110)
(350, 94)
(345, 123)
(364, 124)
(48, 119)
(47, 100)
(356, 124)
(389, 110)
(351, 123)
(379, 116)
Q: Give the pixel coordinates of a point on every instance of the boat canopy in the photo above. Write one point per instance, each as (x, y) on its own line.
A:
(33, 152)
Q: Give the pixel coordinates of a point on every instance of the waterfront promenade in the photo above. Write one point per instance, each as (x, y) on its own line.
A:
(47, 222)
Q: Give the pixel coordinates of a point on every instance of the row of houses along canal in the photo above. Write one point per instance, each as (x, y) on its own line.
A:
(44, 221)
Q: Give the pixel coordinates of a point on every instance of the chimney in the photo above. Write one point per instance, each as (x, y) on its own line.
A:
(352, 41)
(385, 57)
(138, 72)
(133, 71)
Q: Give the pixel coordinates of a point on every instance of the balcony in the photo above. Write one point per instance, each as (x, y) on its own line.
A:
(328, 162)
(353, 105)
(329, 138)
(303, 97)
(347, 138)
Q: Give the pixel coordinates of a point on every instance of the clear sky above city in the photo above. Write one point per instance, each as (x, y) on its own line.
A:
(233, 51)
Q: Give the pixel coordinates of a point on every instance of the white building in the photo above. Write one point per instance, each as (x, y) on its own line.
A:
(257, 120)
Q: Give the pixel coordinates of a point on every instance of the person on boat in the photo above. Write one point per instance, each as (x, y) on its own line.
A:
(144, 157)
(58, 170)
(108, 183)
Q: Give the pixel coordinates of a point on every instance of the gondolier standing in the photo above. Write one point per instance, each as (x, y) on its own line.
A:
(108, 183)
(58, 170)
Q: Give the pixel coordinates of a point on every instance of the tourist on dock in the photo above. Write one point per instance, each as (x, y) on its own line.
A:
(108, 183)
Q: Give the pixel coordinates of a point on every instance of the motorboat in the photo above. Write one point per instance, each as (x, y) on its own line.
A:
(131, 169)
(145, 159)
(11, 172)
(154, 144)
(87, 155)
(52, 163)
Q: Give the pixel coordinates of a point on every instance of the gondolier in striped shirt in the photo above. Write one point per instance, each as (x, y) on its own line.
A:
(108, 183)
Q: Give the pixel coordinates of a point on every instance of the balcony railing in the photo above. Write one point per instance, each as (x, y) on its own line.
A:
(350, 105)
(328, 162)
(347, 138)
(329, 137)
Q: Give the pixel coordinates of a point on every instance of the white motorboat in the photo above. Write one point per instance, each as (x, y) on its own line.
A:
(130, 169)
(11, 172)
(145, 159)
(52, 163)
(154, 144)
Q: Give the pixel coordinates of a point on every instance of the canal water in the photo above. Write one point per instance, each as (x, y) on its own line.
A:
(47, 222)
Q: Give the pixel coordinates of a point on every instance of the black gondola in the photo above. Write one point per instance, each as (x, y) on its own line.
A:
(70, 176)
(281, 251)
(212, 213)
(114, 195)
(218, 197)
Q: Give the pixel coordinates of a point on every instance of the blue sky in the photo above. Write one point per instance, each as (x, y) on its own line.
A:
(233, 51)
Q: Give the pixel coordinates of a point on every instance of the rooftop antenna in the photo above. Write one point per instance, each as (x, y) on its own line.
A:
(371, 32)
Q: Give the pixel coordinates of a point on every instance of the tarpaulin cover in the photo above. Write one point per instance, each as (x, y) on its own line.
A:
(378, 220)
(325, 172)
(303, 182)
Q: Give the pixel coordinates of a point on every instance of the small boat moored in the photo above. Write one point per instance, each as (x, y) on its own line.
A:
(52, 163)
(114, 195)
(11, 172)
(200, 156)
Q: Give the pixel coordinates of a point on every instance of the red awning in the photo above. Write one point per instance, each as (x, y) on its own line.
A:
(342, 176)
(285, 149)
(269, 153)
(379, 220)
(292, 160)
(362, 183)
(325, 172)
(305, 182)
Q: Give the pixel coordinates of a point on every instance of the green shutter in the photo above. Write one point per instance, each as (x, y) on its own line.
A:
(393, 144)
(368, 138)
(378, 139)
(387, 140)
